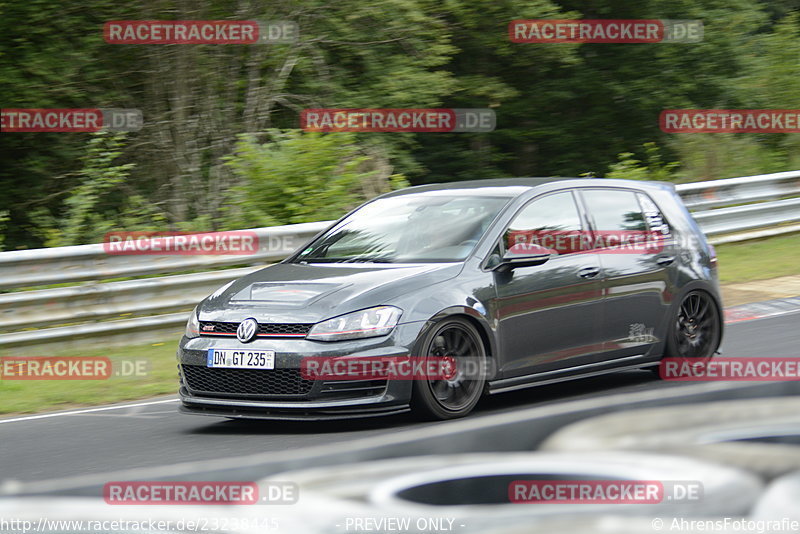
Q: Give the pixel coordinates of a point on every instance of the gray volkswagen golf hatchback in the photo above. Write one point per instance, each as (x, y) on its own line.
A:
(428, 298)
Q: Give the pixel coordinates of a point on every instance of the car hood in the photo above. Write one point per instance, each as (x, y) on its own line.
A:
(300, 293)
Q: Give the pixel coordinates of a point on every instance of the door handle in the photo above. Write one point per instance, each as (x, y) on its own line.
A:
(589, 272)
(665, 260)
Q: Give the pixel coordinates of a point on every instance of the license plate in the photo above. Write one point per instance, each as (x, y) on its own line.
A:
(241, 359)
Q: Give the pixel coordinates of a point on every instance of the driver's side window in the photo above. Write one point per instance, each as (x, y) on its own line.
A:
(552, 221)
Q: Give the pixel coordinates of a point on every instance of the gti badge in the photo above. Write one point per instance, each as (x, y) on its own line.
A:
(247, 330)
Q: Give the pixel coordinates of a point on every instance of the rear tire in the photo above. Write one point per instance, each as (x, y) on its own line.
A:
(695, 331)
(458, 339)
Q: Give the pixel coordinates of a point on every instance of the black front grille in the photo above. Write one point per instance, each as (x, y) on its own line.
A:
(209, 328)
(212, 328)
(351, 389)
(276, 329)
(255, 382)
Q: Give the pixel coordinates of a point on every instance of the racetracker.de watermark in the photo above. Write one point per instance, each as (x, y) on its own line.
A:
(395, 368)
(604, 491)
(236, 243)
(730, 369)
(200, 493)
(599, 242)
(70, 120)
(645, 31)
(417, 120)
(730, 121)
(215, 523)
(200, 32)
(69, 368)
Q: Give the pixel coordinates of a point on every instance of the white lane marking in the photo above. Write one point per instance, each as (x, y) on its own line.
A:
(133, 414)
(770, 315)
(87, 410)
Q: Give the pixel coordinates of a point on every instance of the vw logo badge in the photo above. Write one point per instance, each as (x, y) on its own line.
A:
(247, 330)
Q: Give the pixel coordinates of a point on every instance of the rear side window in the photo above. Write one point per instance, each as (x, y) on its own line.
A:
(614, 210)
(550, 221)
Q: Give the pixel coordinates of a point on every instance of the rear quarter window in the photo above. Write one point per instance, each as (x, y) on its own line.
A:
(652, 215)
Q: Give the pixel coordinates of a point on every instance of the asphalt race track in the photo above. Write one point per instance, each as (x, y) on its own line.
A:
(152, 433)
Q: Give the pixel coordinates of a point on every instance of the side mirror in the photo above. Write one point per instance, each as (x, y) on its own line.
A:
(523, 255)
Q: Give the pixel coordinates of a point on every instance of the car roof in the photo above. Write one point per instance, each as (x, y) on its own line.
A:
(506, 186)
(512, 187)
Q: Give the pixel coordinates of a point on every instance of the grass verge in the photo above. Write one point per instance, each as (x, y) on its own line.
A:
(160, 377)
(759, 259)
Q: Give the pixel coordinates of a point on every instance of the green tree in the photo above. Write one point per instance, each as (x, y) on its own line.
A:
(561, 108)
(770, 79)
(630, 168)
(102, 201)
(298, 177)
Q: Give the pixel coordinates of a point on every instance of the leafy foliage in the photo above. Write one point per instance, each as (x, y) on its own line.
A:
(297, 177)
(101, 201)
(219, 149)
(630, 168)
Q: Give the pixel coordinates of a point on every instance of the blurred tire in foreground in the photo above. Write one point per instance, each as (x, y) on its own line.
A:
(474, 488)
(780, 500)
(760, 435)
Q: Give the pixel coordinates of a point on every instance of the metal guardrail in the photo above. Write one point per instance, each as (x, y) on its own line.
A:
(737, 219)
(107, 311)
(94, 302)
(59, 265)
(744, 206)
(739, 190)
(119, 311)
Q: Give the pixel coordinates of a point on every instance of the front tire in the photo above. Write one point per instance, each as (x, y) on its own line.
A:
(459, 341)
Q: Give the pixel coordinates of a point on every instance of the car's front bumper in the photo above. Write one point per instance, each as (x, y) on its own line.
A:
(262, 410)
(218, 392)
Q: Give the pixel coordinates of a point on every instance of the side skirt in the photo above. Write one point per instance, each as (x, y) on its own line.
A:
(562, 375)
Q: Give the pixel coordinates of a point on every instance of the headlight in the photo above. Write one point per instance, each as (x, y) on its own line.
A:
(373, 322)
(192, 325)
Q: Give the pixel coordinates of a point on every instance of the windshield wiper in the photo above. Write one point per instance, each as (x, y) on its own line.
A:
(355, 259)
(368, 259)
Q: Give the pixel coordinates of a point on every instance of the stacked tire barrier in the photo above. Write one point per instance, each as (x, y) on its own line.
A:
(738, 441)
(760, 435)
(745, 453)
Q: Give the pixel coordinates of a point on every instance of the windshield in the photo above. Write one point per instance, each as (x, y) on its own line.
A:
(414, 228)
